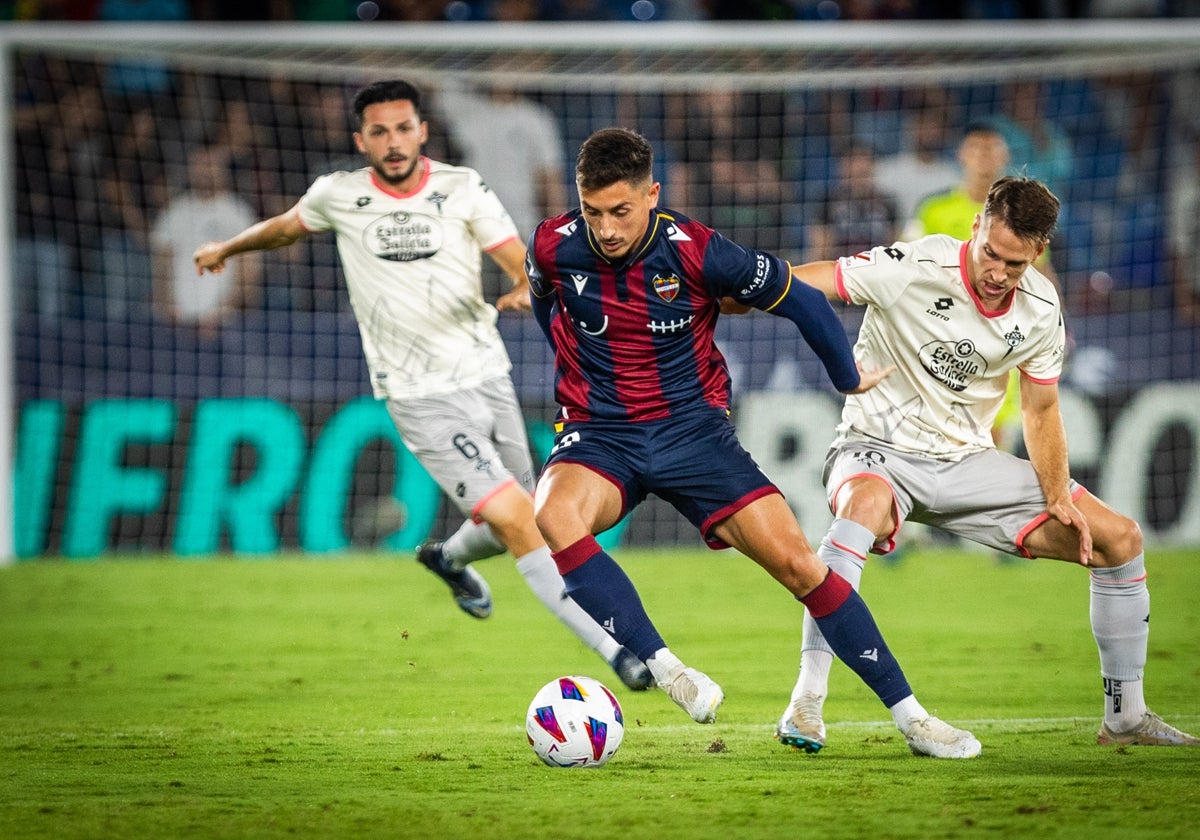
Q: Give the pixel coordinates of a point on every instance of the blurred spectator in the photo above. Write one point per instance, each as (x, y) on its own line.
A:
(136, 189)
(88, 122)
(515, 143)
(44, 276)
(982, 157)
(511, 11)
(1134, 112)
(854, 215)
(150, 78)
(1038, 147)
(725, 163)
(751, 10)
(922, 167)
(207, 210)
(1183, 221)
(582, 10)
(324, 10)
(236, 10)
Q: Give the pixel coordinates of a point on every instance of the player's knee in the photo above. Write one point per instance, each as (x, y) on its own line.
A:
(1123, 543)
(871, 510)
(545, 519)
(509, 512)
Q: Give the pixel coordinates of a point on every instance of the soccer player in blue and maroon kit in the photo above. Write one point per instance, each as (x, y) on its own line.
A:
(629, 296)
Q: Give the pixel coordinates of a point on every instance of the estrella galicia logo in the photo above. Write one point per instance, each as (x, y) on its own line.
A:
(403, 237)
(666, 287)
(956, 364)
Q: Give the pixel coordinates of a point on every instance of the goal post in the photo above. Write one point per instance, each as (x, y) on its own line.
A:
(128, 425)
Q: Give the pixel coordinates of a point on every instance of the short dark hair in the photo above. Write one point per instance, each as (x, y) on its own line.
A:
(981, 128)
(1026, 206)
(611, 155)
(389, 90)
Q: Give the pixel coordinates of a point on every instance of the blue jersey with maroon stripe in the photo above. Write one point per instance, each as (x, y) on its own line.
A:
(633, 337)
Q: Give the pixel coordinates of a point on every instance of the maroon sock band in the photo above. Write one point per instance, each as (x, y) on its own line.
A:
(828, 596)
(576, 554)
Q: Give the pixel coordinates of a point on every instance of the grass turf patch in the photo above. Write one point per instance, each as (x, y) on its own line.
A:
(348, 697)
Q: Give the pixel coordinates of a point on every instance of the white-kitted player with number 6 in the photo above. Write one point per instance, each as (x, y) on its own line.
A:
(410, 232)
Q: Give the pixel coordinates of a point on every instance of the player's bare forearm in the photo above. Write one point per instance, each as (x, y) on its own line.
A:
(276, 232)
(819, 275)
(1046, 442)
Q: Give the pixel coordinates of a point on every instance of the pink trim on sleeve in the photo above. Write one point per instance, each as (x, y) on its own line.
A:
(501, 244)
(839, 284)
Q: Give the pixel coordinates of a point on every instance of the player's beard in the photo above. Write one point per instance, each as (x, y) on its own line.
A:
(400, 177)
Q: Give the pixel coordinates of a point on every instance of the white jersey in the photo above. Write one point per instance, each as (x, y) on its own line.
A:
(952, 356)
(412, 265)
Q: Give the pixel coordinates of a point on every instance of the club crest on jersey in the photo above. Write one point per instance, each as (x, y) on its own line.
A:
(666, 287)
(1014, 338)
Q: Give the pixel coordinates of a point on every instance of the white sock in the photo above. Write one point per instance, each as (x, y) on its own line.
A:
(661, 663)
(843, 548)
(540, 573)
(907, 711)
(814, 672)
(1120, 615)
(472, 541)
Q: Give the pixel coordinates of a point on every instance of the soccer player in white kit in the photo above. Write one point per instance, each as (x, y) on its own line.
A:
(409, 235)
(955, 317)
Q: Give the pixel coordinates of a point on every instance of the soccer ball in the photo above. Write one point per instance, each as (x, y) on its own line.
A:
(574, 722)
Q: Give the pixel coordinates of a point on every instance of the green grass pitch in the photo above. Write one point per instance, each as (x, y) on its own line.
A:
(346, 697)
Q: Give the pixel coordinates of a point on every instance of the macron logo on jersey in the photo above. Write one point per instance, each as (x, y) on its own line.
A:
(580, 281)
(677, 235)
(567, 229)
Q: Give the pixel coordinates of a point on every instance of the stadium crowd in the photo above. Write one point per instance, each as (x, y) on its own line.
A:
(587, 10)
(108, 150)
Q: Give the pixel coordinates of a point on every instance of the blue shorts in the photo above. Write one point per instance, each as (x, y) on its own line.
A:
(694, 463)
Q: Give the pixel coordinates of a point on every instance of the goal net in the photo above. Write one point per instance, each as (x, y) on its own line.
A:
(153, 411)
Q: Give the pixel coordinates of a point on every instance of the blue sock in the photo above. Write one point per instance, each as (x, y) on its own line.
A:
(850, 630)
(607, 594)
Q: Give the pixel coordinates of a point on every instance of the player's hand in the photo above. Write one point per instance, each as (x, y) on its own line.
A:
(729, 306)
(515, 301)
(1069, 515)
(868, 379)
(208, 258)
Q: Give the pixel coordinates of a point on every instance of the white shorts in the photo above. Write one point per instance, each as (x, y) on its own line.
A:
(991, 497)
(471, 442)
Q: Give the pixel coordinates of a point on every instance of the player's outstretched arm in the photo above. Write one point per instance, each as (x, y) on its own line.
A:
(805, 306)
(819, 275)
(275, 232)
(511, 258)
